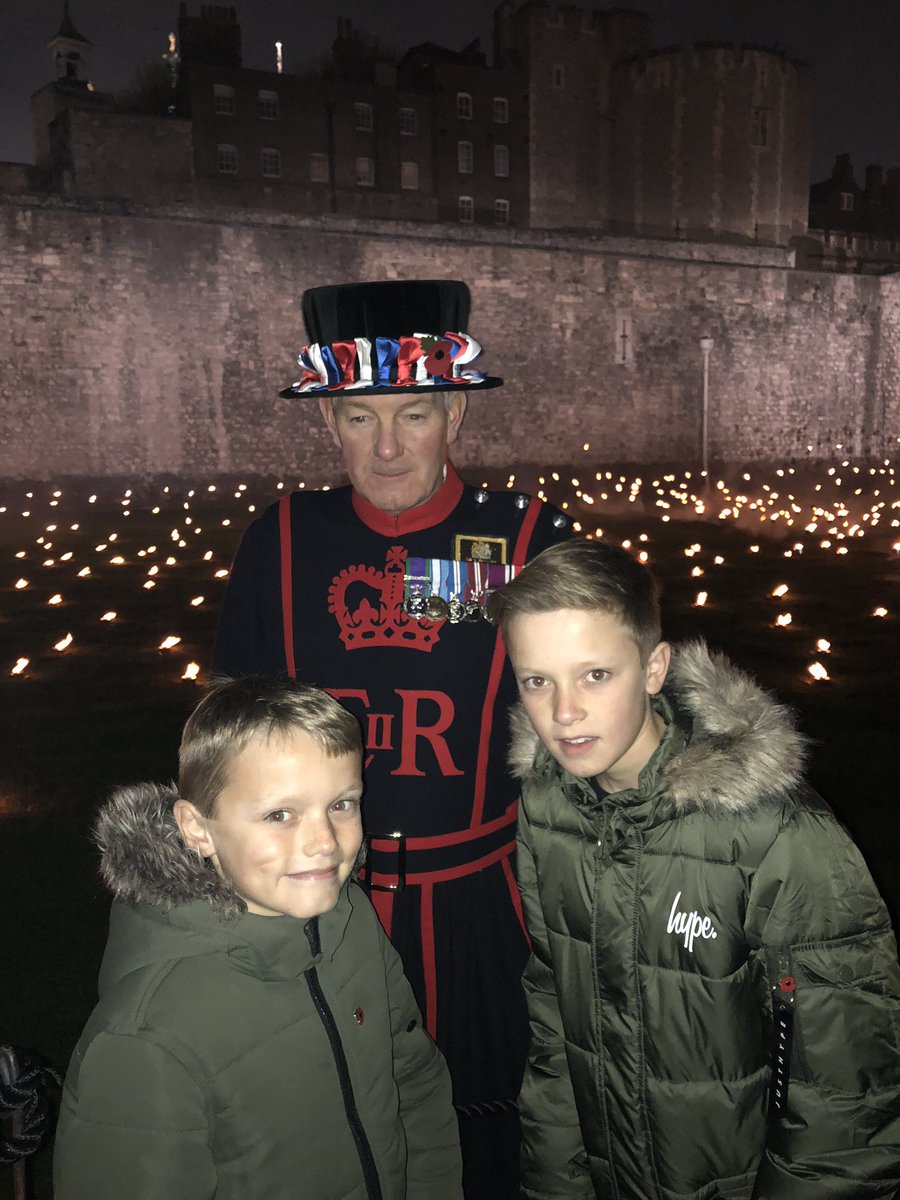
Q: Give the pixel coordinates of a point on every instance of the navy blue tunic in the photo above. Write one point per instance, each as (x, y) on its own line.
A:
(316, 589)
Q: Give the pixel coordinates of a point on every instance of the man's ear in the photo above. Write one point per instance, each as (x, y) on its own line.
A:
(657, 667)
(326, 408)
(193, 828)
(456, 410)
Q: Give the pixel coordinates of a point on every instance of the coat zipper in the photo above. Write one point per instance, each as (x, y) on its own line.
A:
(363, 1149)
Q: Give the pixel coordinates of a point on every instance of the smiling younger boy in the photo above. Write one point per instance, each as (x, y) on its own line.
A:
(256, 1037)
(685, 892)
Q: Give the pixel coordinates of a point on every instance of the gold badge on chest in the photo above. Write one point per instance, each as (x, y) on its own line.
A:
(476, 548)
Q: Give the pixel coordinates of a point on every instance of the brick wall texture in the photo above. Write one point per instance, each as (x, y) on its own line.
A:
(152, 343)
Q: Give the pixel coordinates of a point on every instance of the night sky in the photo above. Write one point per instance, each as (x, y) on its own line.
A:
(852, 45)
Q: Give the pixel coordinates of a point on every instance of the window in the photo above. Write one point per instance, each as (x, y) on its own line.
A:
(318, 168)
(464, 106)
(501, 212)
(501, 110)
(223, 99)
(409, 176)
(226, 159)
(362, 117)
(466, 209)
(465, 158)
(559, 76)
(365, 172)
(846, 202)
(270, 161)
(267, 105)
(501, 162)
(408, 121)
(759, 127)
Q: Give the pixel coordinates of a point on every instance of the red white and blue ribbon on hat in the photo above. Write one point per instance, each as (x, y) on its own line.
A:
(425, 359)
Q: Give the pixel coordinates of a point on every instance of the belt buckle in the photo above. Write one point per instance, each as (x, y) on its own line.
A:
(400, 839)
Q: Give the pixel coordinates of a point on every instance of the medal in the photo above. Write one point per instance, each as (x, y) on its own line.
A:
(436, 608)
(414, 604)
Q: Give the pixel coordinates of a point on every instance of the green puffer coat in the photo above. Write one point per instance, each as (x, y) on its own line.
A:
(245, 1057)
(661, 920)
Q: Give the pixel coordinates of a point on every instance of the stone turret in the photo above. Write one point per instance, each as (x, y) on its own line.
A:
(69, 49)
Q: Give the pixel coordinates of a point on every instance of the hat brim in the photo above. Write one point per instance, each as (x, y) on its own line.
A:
(294, 393)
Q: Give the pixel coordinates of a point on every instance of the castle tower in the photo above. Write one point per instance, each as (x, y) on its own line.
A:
(70, 88)
(713, 143)
(567, 54)
(69, 50)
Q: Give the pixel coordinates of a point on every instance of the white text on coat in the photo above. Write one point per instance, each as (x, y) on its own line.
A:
(690, 925)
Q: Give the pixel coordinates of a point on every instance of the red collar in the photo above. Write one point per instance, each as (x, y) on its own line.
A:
(423, 516)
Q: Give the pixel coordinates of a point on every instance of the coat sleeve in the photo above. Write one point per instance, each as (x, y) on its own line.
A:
(554, 1161)
(133, 1123)
(434, 1161)
(820, 925)
(250, 639)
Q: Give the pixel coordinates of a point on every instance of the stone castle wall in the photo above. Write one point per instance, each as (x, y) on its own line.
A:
(154, 342)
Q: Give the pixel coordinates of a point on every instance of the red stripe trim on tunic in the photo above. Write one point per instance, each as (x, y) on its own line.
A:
(487, 711)
(434, 510)
(426, 879)
(426, 918)
(436, 840)
(287, 587)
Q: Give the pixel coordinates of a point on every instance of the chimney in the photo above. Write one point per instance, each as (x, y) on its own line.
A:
(874, 184)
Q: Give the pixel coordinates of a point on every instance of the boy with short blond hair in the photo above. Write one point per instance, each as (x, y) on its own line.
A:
(713, 986)
(256, 1038)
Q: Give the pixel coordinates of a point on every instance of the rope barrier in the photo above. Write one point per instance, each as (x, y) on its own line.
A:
(26, 1115)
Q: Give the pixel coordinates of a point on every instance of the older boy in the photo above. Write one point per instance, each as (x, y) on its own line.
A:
(696, 914)
(256, 1038)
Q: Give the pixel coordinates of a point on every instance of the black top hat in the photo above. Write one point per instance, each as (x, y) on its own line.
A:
(367, 337)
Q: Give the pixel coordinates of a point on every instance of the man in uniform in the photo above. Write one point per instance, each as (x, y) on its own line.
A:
(376, 591)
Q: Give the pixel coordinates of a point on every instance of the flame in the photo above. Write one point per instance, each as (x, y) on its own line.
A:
(817, 671)
(191, 671)
(65, 643)
(197, 600)
(781, 590)
(57, 599)
(783, 619)
(109, 616)
(19, 667)
(168, 642)
(823, 646)
(701, 599)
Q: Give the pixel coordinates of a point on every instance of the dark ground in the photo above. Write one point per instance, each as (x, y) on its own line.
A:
(110, 708)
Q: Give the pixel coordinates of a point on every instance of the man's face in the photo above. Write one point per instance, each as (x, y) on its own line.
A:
(286, 829)
(394, 447)
(587, 693)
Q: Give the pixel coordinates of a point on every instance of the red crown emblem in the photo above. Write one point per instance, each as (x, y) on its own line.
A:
(382, 623)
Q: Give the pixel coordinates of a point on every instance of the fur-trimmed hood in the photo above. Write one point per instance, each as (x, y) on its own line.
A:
(742, 746)
(143, 859)
(172, 904)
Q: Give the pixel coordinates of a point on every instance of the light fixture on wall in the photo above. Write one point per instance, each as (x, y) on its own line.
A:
(706, 345)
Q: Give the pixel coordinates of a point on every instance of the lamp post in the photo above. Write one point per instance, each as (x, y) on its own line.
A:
(706, 345)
